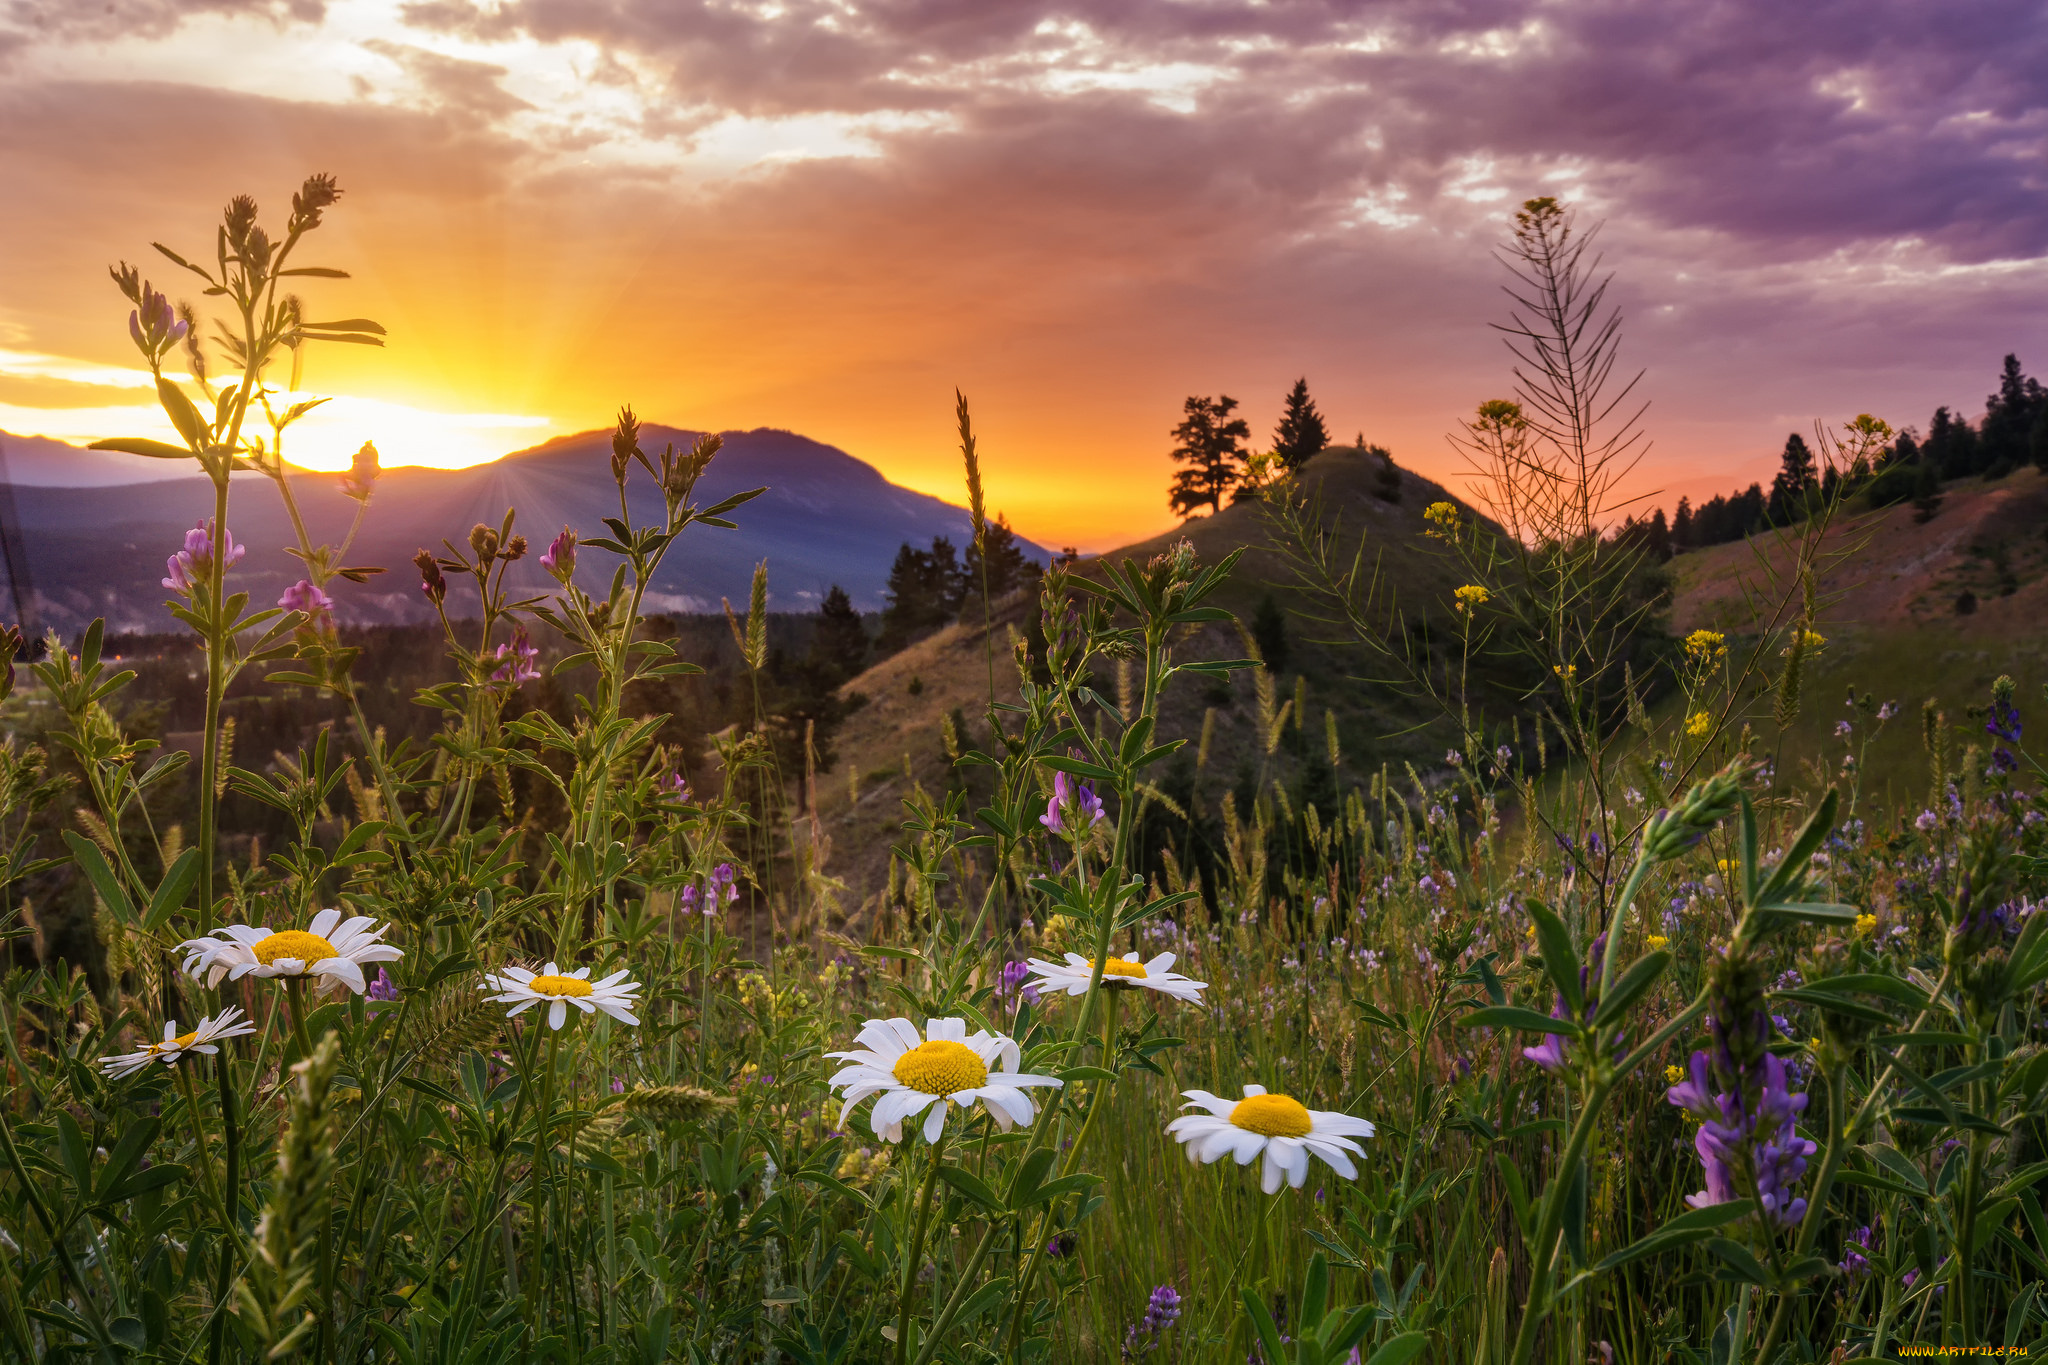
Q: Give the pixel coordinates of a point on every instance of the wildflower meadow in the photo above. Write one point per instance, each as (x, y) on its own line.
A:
(1619, 1033)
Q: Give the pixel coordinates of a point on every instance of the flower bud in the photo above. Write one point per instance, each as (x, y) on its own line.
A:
(483, 541)
(559, 559)
(431, 581)
(514, 551)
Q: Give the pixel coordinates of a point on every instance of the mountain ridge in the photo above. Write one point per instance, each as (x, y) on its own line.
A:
(827, 518)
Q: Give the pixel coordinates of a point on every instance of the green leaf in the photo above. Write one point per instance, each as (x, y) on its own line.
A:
(1315, 1293)
(1814, 911)
(1738, 1258)
(1078, 768)
(141, 445)
(1399, 1350)
(1262, 1325)
(88, 856)
(1517, 1017)
(1792, 866)
(170, 895)
(129, 1150)
(1683, 1230)
(183, 415)
(971, 1186)
(1838, 1004)
(1636, 980)
(1560, 958)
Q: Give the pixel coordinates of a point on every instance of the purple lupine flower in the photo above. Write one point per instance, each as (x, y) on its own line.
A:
(559, 558)
(1077, 801)
(1854, 1262)
(306, 597)
(383, 988)
(1550, 1053)
(1748, 1138)
(517, 659)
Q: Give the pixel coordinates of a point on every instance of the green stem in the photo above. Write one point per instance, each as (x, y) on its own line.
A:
(916, 1254)
(209, 756)
(231, 1140)
(86, 1305)
(959, 1296)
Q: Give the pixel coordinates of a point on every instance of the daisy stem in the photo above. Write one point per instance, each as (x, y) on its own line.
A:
(206, 1178)
(543, 1167)
(295, 1001)
(911, 1262)
(1101, 1090)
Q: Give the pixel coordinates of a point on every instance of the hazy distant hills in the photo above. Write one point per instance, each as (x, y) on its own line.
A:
(97, 548)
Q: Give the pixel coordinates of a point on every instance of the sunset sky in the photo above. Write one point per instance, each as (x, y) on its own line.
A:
(825, 214)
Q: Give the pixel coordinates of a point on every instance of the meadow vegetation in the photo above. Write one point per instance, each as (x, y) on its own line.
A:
(1612, 1034)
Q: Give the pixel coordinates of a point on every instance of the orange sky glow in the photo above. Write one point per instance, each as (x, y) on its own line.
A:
(825, 218)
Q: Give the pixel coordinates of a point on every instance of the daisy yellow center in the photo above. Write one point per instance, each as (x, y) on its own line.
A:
(940, 1067)
(559, 985)
(1117, 967)
(295, 944)
(1272, 1116)
(179, 1043)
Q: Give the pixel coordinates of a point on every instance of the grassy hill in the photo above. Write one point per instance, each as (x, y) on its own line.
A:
(1911, 610)
(894, 741)
(1889, 603)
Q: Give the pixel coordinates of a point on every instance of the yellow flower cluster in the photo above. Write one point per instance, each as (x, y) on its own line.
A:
(1674, 1074)
(860, 1166)
(1706, 646)
(1443, 520)
(756, 994)
(1699, 725)
(1471, 596)
(1658, 943)
(1568, 672)
(1866, 925)
(1807, 642)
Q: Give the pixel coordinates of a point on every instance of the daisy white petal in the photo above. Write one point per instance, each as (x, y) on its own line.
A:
(908, 1070)
(1118, 973)
(239, 950)
(1278, 1128)
(523, 989)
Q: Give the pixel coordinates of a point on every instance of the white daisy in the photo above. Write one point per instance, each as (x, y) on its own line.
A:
(1278, 1125)
(909, 1071)
(557, 989)
(227, 1024)
(1124, 973)
(331, 949)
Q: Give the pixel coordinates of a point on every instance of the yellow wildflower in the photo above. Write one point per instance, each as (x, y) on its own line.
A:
(1443, 520)
(1727, 866)
(1809, 642)
(1470, 596)
(1568, 672)
(1674, 1074)
(1706, 646)
(1658, 943)
(1699, 725)
(1866, 925)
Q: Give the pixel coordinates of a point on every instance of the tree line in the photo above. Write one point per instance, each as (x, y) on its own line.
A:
(1210, 443)
(2012, 433)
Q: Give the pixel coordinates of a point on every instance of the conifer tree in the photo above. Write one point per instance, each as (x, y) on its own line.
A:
(1301, 433)
(1796, 482)
(1210, 442)
(839, 645)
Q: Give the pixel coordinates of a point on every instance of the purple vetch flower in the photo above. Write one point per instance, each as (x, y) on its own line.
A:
(686, 900)
(188, 569)
(1061, 1246)
(155, 326)
(1454, 758)
(1926, 821)
(1550, 1053)
(678, 788)
(383, 988)
(1071, 801)
(517, 659)
(724, 888)
(559, 559)
(306, 597)
(1011, 981)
